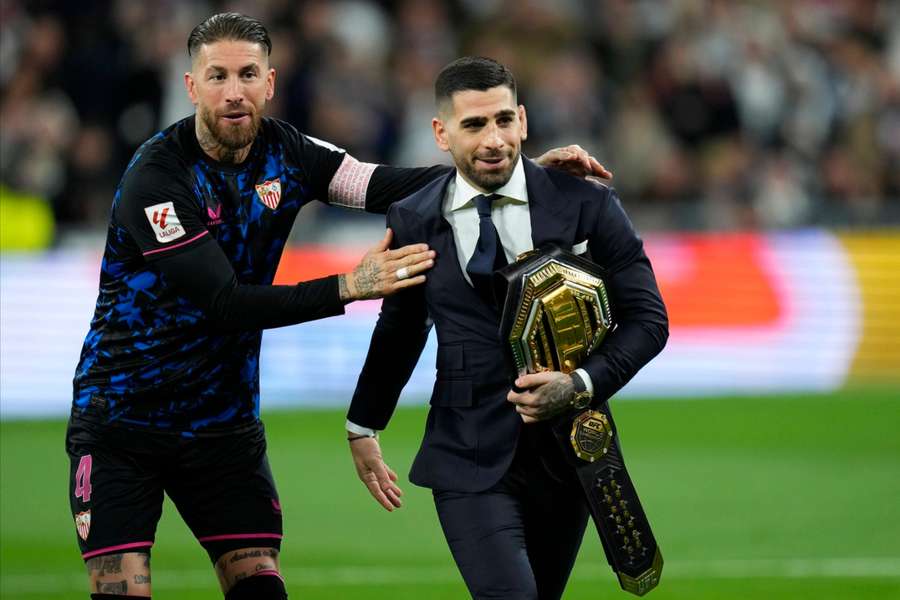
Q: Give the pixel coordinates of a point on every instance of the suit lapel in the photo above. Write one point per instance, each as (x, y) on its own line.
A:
(436, 227)
(553, 216)
(440, 239)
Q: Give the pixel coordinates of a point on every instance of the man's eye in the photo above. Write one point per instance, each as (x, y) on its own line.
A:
(218, 77)
(250, 75)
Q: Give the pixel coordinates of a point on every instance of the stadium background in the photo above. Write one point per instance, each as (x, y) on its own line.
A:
(757, 147)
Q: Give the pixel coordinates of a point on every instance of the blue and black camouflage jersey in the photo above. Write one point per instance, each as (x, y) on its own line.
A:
(185, 283)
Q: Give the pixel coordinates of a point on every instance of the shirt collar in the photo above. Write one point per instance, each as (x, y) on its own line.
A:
(515, 189)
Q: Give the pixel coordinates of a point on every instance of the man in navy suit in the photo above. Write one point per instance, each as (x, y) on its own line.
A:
(512, 511)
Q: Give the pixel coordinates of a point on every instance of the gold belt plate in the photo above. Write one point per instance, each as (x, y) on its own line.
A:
(563, 316)
(591, 435)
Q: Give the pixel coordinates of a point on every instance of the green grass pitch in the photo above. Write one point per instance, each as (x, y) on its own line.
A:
(782, 497)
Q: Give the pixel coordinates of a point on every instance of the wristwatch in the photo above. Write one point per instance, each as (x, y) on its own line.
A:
(582, 398)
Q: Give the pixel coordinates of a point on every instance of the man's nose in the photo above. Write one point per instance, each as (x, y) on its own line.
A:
(492, 138)
(234, 92)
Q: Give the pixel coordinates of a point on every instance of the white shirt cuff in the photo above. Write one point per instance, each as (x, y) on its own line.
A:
(359, 430)
(588, 384)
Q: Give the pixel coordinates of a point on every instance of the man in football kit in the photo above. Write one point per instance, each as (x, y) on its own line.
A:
(166, 392)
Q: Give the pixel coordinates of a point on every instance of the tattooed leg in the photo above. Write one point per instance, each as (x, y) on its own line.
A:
(239, 564)
(120, 574)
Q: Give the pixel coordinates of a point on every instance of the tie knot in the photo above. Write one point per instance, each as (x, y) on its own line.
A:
(483, 204)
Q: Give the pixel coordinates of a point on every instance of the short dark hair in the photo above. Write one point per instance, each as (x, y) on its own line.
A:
(229, 26)
(471, 73)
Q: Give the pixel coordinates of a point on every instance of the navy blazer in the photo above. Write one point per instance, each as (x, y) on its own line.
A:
(472, 430)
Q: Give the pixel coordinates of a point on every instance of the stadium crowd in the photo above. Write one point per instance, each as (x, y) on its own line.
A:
(712, 114)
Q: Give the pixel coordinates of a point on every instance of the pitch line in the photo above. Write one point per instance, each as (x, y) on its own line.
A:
(300, 577)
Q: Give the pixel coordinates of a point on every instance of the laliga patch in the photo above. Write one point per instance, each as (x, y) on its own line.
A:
(164, 222)
(269, 192)
(83, 524)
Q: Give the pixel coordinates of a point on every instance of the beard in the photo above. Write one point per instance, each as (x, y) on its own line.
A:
(489, 180)
(231, 136)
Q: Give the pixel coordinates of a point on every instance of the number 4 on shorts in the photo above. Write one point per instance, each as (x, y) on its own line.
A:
(83, 478)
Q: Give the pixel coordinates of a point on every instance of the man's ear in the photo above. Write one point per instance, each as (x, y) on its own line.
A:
(440, 134)
(270, 84)
(524, 119)
(190, 86)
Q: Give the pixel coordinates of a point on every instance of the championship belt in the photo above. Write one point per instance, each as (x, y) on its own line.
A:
(555, 313)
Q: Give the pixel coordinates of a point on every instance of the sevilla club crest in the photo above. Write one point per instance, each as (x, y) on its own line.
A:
(83, 524)
(270, 193)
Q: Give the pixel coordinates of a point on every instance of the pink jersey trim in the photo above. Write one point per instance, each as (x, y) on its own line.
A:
(179, 244)
(240, 536)
(87, 555)
(348, 186)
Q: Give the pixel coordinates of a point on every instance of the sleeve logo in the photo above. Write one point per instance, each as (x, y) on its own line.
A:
(164, 222)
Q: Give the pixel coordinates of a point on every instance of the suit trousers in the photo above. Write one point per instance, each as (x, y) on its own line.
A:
(518, 539)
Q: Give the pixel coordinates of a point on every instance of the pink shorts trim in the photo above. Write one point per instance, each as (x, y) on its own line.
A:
(269, 573)
(240, 536)
(179, 244)
(108, 549)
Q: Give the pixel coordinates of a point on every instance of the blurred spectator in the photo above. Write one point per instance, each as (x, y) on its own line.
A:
(712, 113)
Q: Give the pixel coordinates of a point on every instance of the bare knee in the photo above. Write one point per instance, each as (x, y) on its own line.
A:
(240, 564)
(122, 574)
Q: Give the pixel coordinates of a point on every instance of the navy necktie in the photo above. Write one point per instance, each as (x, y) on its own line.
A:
(488, 254)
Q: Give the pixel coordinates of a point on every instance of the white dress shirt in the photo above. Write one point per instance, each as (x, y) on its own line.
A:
(511, 217)
(509, 213)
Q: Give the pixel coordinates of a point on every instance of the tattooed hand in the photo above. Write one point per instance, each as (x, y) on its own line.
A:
(383, 272)
(546, 395)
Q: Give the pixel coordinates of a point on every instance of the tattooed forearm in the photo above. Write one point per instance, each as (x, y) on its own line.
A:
(140, 579)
